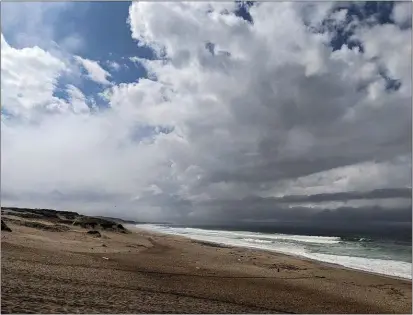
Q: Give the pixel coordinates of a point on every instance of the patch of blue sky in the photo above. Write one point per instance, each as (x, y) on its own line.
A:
(107, 32)
(102, 34)
(370, 12)
(5, 113)
(243, 10)
(89, 88)
(109, 42)
(60, 90)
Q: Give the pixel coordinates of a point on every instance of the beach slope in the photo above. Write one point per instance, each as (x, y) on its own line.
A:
(72, 271)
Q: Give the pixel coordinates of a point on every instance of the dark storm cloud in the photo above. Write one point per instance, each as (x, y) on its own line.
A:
(269, 211)
(260, 202)
(327, 140)
(365, 214)
(58, 196)
(384, 193)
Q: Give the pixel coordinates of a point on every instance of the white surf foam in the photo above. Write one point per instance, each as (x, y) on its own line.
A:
(291, 245)
(253, 240)
(250, 235)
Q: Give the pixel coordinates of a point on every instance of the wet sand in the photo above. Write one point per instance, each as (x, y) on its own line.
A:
(143, 272)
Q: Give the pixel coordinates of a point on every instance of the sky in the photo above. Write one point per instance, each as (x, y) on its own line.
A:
(218, 112)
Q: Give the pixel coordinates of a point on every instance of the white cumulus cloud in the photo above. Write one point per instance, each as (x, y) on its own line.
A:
(28, 79)
(95, 70)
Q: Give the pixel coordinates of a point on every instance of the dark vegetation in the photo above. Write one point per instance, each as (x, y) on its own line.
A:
(58, 221)
(4, 227)
(39, 213)
(99, 223)
(119, 220)
(94, 233)
(39, 225)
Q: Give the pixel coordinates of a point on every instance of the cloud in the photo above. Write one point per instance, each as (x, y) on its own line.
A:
(28, 79)
(402, 13)
(231, 112)
(114, 65)
(349, 195)
(95, 71)
(77, 100)
(339, 217)
(34, 24)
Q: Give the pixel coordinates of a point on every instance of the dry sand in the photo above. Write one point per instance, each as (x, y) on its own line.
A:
(142, 272)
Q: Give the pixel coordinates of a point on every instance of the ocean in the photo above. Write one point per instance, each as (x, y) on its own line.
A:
(382, 256)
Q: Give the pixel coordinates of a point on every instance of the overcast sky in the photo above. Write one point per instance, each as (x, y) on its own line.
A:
(208, 112)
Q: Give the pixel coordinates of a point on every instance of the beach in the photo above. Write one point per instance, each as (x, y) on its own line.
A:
(72, 271)
(370, 253)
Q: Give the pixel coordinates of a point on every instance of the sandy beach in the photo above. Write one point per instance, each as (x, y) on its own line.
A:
(142, 272)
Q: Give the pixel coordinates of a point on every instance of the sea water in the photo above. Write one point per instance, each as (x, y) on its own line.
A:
(393, 258)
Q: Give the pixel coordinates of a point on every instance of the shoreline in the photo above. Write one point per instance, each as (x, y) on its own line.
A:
(145, 271)
(324, 263)
(296, 256)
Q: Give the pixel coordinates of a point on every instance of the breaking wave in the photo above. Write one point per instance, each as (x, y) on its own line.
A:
(352, 252)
